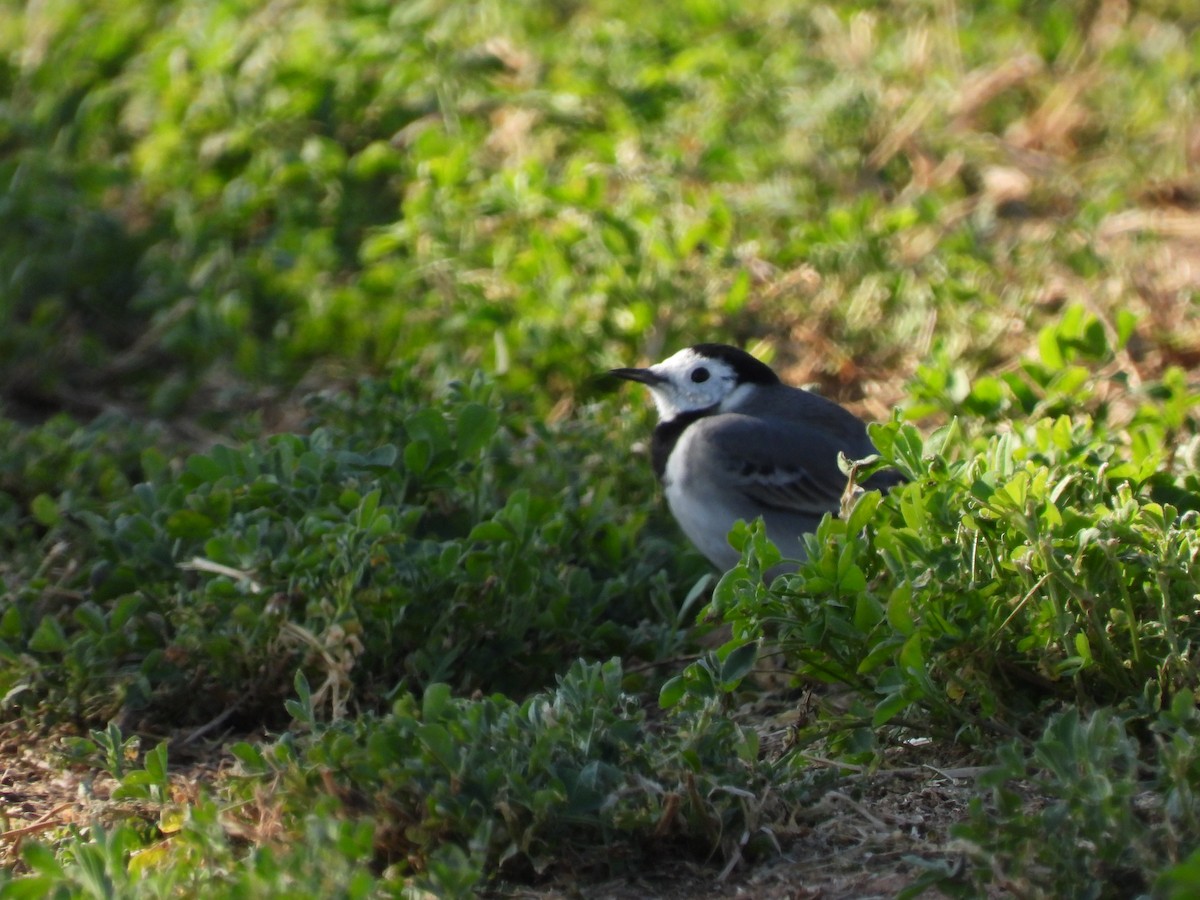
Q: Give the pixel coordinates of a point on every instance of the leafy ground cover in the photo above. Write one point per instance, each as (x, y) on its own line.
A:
(328, 567)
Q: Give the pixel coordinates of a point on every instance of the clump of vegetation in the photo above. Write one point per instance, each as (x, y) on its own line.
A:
(449, 788)
(1051, 562)
(428, 545)
(1016, 575)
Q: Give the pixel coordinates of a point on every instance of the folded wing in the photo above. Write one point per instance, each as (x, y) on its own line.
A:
(786, 466)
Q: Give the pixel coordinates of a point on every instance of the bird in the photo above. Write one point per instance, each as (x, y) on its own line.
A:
(734, 442)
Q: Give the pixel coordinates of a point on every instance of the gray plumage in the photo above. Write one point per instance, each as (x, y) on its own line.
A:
(733, 442)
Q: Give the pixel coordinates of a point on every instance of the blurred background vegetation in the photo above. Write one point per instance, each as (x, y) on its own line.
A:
(206, 204)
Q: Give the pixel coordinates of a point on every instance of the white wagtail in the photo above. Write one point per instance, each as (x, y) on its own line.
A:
(734, 442)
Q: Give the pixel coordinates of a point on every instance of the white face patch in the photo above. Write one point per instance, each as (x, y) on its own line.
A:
(691, 382)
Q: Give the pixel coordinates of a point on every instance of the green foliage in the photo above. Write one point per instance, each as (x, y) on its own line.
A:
(398, 542)
(1014, 574)
(112, 752)
(1099, 827)
(228, 185)
(514, 785)
(1012, 571)
(62, 467)
(330, 857)
(211, 203)
(442, 794)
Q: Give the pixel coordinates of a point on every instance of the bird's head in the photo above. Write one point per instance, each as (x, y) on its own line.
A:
(706, 376)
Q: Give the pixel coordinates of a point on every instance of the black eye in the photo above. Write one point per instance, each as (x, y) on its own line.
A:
(700, 375)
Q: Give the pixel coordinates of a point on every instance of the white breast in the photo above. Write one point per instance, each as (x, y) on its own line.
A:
(697, 504)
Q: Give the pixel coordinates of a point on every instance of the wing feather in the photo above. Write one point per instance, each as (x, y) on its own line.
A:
(786, 466)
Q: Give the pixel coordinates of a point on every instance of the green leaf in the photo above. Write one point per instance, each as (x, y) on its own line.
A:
(435, 700)
(912, 655)
(204, 468)
(864, 509)
(912, 510)
(367, 507)
(135, 786)
(699, 680)
(867, 612)
(739, 293)
(34, 887)
(737, 664)
(155, 465)
(1049, 349)
(476, 426)
(301, 708)
(189, 525)
(851, 580)
(91, 617)
(48, 637)
(125, 609)
(156, 763)
(11, 624)
(429, 425)
(1083, 648)
(1126, 326)
(881, 654)
(382, 457)
(889, 708)
(899, 609)
(440, 745)
(45, 510)
(249, 756)
(672, 692)
(1180, 881)
(40, 858)
(987, 396)
(417, 456)
(491, 531)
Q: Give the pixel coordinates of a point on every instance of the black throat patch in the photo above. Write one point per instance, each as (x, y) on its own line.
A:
(667, 434)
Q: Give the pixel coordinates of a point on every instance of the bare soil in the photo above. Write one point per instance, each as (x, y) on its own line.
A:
(859, 842)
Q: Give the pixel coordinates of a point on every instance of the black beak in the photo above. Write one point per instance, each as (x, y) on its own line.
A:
(645, 376)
